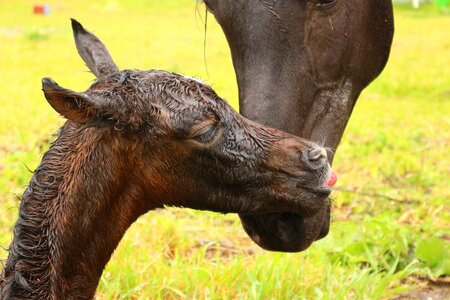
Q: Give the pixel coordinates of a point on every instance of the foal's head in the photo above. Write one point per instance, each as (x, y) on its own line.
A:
(192, 149)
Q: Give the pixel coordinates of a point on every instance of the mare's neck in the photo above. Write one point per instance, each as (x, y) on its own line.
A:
(73, 214)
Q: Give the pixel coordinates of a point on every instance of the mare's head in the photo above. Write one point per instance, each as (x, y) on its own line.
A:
(189, 147)
(300, 66)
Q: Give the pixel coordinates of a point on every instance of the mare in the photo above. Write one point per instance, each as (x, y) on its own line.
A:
(300, 66)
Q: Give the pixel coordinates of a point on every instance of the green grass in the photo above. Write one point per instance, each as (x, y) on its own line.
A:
(394, 155)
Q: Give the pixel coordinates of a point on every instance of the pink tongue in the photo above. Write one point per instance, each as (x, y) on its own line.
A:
(332, 180)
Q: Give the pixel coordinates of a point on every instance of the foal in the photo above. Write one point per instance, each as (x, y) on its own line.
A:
(133, 142)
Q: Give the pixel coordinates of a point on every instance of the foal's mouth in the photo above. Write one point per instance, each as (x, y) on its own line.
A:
(320, 192)
(315, 195)
(326, 186)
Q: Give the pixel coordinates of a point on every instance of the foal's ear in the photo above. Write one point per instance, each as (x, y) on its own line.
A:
(93, 51)
(77, 107)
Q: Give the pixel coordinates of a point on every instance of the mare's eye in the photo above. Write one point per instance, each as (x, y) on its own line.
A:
(325, 3)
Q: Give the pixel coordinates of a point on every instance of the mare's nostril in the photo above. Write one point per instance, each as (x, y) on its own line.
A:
(317, 154)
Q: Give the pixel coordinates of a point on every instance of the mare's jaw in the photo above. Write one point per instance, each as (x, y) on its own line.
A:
(286, 232)
(291, 231)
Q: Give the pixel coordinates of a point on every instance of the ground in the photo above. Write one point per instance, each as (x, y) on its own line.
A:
(391, 214)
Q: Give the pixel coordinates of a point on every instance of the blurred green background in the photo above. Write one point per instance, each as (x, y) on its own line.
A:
(390, 231)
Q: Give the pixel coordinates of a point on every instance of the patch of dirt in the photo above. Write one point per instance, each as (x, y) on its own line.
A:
(433, 290)
(225, 248)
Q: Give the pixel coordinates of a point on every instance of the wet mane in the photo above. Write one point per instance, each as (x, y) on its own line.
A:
(29, 261)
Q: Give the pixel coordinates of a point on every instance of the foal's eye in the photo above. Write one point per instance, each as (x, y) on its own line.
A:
(325, 3)
(204, 132)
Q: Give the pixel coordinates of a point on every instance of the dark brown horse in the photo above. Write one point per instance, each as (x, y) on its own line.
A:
(133, 142)
(300, 66)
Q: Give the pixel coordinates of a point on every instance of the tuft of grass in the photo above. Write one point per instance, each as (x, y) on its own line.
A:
(393, 196)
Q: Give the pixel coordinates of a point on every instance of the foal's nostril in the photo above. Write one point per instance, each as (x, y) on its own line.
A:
(317, 154)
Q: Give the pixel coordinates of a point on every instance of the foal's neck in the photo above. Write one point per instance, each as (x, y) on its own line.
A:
(73, 214)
